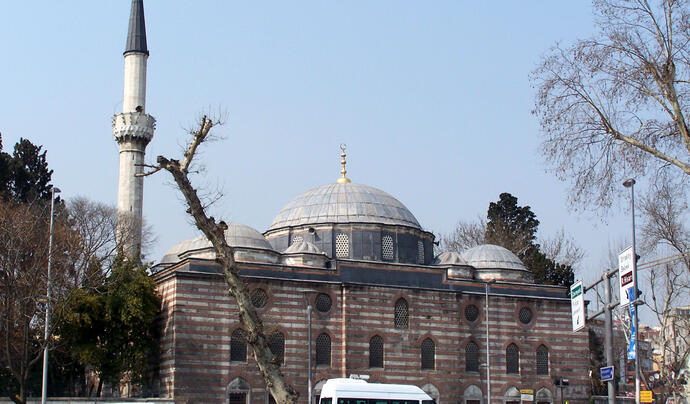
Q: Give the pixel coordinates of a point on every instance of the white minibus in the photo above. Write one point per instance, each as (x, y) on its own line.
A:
(357, 391)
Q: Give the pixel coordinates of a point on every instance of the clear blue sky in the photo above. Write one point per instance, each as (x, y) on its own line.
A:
(432, 99)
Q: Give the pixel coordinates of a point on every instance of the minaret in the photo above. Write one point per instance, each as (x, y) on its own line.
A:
(133, 130)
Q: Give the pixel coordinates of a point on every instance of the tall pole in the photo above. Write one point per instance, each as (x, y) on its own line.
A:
(44, 388)
(630, 183)
(608, 322)
(488, 356)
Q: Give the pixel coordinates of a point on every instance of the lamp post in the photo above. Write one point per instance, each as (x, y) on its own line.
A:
(488, 356)
(44, 388)
(630, 183)
(307, 299)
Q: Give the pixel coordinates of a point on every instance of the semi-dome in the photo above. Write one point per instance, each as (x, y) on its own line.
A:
(237, 235)
(344, 203)
(489, 256)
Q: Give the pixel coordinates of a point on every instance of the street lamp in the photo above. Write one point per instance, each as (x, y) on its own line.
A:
(488, 356)
(630, 183)
(307, 299)
(44, 388)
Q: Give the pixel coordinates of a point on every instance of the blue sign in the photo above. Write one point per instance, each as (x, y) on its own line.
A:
(606, 373)
(633, 312)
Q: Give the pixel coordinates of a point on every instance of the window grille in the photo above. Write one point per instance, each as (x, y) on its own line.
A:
(471, 357)
(323, 350)
(276, 341)
(401, 314)
(420, 252)
(237, 398)
(387, 251)
(512, 359)
(259, 298)
(297, 239)
(238, 346)
(342, 246)
(471, 313)
(525, 315)
(323, 303)
(376, 352)
(542, 360)
(428, 354)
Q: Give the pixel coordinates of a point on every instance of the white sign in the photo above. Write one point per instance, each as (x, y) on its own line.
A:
(577, 303)
(626, 275)
(526, 397)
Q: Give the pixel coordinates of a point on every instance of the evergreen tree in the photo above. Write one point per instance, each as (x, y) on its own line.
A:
(24, 176)
(515, 228)
(110, 327)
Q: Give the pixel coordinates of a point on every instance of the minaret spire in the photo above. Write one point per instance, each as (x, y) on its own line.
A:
(136, 34)
(133, 130)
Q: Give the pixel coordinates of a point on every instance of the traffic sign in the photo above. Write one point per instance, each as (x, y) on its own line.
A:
(626, 275)
(577, 303)
(646, 396)
(606, 373)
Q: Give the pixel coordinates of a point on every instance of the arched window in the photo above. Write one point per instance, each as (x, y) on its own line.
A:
(512, 359)
(238, 346)
(472, 395)
(428, 354)
(471, 357)
(543, 396)
(401, 314)
(276, 341)
(376, 352)
(238, 391)
(542, 360)
(512, 396)
(323, 350)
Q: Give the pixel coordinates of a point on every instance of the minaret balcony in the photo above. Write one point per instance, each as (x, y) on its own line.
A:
(133, 126)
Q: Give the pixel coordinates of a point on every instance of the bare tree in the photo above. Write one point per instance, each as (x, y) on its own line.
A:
(666, 235)
(562, 248)
(467, 234)
(614, 105)
(214, 231)
(23, 263)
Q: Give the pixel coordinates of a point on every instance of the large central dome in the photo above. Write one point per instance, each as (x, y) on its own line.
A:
(344, 203)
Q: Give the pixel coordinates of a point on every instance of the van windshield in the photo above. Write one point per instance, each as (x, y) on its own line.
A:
(378, 401)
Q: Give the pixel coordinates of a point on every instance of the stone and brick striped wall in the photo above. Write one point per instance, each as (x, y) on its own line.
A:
(198, 318)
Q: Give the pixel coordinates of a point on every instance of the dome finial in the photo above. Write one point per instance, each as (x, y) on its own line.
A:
(343, 179)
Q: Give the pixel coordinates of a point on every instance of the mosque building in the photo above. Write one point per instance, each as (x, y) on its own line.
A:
(350, 266)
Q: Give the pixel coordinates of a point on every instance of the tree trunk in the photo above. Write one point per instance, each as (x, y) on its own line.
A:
(281, 391)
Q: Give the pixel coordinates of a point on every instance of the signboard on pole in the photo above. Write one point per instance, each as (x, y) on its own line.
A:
(632, 352)
(577, 303)
(646, 396)
(626, 275)
(606, 373)
(526, 395)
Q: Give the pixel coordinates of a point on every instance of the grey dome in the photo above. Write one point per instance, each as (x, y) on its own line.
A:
(489, 256)
(302, 247)
(344, 203)
(237, 235)
(449, 258)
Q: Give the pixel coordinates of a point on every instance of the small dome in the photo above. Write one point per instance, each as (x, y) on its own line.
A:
(344, 203)
(489, 256)
(237, 235)
(449, 258)
(302, 247)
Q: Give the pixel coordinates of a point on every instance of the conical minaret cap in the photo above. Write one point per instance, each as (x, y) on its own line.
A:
(136, 34)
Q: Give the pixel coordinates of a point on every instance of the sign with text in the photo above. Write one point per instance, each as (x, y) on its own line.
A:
(626, 275)
(646, 396)
(606, 373)
(526, 395)
(577, 304)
